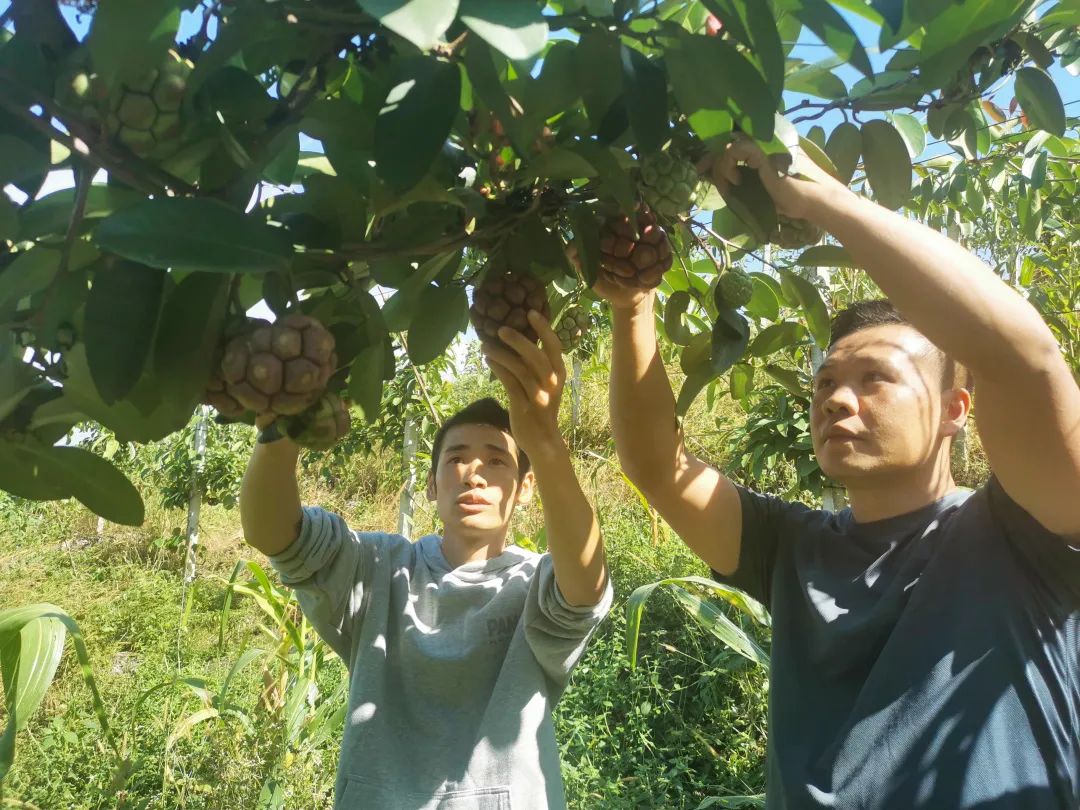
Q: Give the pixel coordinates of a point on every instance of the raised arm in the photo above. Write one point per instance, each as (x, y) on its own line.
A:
(700, 503)
(534, 379)
(1027, 402)
(269, 497)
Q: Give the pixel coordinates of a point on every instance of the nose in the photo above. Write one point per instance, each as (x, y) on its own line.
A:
(474, 479)
(841, 399)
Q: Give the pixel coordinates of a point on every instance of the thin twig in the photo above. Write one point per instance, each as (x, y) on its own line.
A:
(731, 244)
(83, 178)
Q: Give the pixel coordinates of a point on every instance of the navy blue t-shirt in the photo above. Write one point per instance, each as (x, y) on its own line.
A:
(930, 660)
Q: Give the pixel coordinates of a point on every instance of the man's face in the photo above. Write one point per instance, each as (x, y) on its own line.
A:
(878, 405)
(475, 481)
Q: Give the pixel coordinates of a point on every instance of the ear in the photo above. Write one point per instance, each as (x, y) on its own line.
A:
(955, 408)
(526, 488)
(431, 493)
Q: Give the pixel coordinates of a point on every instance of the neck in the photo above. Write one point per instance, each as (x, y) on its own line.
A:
(464, 547)
(878, 497)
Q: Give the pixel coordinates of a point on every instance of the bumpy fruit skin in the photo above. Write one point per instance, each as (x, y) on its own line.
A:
(734, 289)
(217, 397)
(572, 327)
(504, 299)
(793, 234)
(634, 260)
(320, 426)
(669, 184)
(280, 368)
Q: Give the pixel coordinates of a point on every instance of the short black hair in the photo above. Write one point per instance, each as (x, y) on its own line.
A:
(880, 312)
(485, 411)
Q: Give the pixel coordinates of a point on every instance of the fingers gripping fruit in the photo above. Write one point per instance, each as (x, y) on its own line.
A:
(669, 184)
(734, 289)
(795, 233)
(280, 368)
(504, 299)
(572, 327)
(321, 426)
(634, 259)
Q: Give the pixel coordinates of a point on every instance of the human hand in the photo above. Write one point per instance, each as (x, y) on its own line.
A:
(613, 289)
(803, 191)
(534, 378)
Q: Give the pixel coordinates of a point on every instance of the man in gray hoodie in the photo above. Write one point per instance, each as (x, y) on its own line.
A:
(458, 646)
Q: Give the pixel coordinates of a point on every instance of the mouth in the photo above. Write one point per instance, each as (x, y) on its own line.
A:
(472, 503)
(841, 435)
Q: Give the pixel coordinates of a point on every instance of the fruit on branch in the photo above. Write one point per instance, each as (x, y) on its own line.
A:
(713, 26)
(144, 113)
(504, 299)
(634, 255)
(572, 327)
(280, 368)
(320, 426)
(734, 289)
(215, 394)
(793, 234)
(669, 184)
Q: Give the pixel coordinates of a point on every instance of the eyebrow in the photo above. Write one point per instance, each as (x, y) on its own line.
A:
(454, 448)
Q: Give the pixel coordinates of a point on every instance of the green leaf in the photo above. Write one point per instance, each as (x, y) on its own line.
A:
(710, 618)
(817, 81)
(28, 661)
(128, 38)
(742, 381)
(763, 303)
(51, 214)
(517, 29)
(843, 148)
(960, 28)
(830, 28)
(616, 180)
(32, 270)
(422, 22)
(912, 131)
(645, 91)
(587, 241)
(599, 71)
(817, 154)
(777, 336)
(1040, 100)
(826, 256)
(754, 25)
(735, 88)
(121, 315)
(560, 163)
(366, 380)
(752, 204)
(92, 480)
(437, 320)
(186, 347)
(788, 378)
(730, 336)
(415, 120)
(888, 165)
(184, 233)
(814, 309)
(674, 309)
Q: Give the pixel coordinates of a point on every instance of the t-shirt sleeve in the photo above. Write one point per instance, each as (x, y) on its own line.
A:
(763, 518)
(558, 632)
(1048, 556)
(329, 567)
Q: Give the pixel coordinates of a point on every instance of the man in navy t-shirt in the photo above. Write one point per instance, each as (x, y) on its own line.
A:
(926, 641)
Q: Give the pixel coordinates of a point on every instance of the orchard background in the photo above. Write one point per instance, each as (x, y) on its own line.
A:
(175, 168)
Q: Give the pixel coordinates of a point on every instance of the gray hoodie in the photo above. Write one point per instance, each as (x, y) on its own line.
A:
(453, 671)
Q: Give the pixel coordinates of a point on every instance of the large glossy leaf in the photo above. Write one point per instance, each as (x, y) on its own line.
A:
(517, 29)
(128, 38)
(645, 91)
(730, 336)
(888, 164)
(422, 22)
(366, 380)
(751, 203)
(830, 28)
(193, 234)
(816, 313)
(415, 120)
(735, 87)
(121, 316)
(31, 271)
(844, 147)
(826, 256)
(712, 619)
(438, 317)
(599, 71)
(186, 347)
(777, 336)
(754, 25)
(1040, 100)
(912, 131)
(959, 28)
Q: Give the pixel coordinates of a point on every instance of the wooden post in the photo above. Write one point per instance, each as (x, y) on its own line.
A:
(575, 392)
(408, 490)
(195, 496)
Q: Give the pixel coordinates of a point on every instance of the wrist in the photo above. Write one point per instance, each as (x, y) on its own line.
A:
(831, 205)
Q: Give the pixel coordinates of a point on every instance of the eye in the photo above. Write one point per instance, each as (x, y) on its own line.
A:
(822, 383)
(454, 460)
(497, 461)
(874, 377)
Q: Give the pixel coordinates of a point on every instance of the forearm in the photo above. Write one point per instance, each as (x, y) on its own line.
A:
(573, 532)
(946, 292)
(270, 510)
(641, 401)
